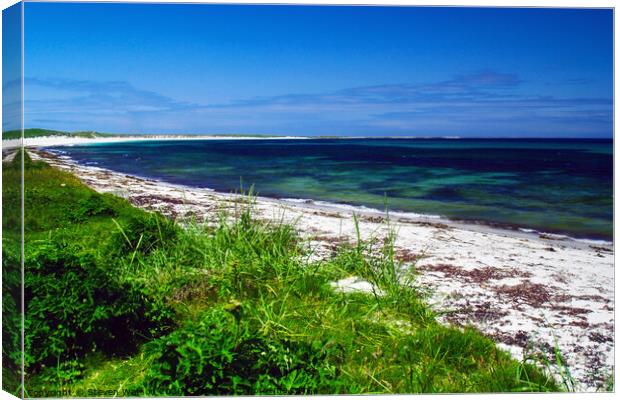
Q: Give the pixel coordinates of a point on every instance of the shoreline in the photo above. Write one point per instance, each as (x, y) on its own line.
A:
(49, 141)
(516, 287)
(480, 225)
(401, 216)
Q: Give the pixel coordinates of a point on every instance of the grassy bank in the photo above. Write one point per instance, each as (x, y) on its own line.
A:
(37, 132)
(124, 302)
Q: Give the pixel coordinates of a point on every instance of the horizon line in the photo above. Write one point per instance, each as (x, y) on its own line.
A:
(342, 136)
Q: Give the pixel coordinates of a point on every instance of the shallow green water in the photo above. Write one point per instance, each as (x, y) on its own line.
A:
(562, 186)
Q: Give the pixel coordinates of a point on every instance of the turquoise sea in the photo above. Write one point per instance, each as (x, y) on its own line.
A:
(556, 186)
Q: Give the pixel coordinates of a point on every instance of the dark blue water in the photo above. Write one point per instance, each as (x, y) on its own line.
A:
(560, 186)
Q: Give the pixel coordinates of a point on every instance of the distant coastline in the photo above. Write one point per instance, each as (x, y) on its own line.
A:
(37, 137)
(46, 141)
(67, 140)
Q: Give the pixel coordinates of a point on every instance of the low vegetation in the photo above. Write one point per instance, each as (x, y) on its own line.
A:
(37, 132)
(121, 302)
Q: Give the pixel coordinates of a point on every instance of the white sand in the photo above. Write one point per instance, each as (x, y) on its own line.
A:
(46, 141)
(520, 289)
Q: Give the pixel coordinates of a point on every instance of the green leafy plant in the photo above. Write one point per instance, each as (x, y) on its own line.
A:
(74, 307)
(221, 355)
(11, 314)
(93, 205)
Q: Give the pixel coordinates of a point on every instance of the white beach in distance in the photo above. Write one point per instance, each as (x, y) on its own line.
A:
(46, 141)
(514, 286)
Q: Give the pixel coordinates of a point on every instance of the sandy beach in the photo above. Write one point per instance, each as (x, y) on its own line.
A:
(44, 141)
(529, 292)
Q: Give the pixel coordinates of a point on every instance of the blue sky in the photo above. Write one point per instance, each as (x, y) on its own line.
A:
(11, 68)
(304, 70)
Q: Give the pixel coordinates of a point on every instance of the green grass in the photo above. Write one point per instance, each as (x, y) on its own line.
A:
(121, 301)
(11, 276)
(37, 132)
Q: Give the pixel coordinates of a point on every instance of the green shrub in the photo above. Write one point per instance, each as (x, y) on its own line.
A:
(11, 313)
(221, 354)
(73, 307)
(91, 206)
